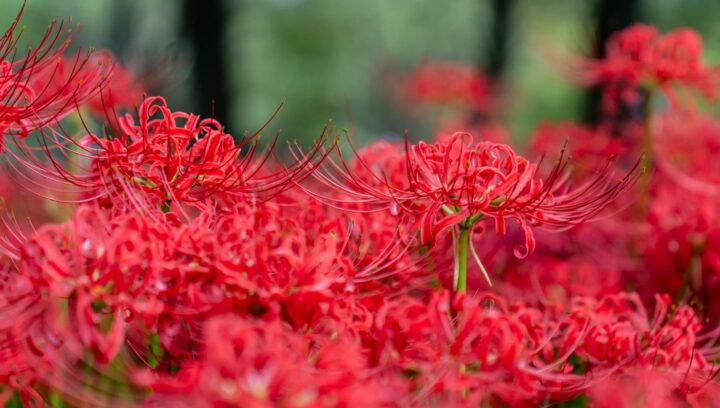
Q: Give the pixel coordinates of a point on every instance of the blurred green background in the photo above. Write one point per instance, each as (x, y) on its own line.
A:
(327, 58)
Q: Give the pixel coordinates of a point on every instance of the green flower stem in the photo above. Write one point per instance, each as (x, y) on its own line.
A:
(461, 243)
(462, 259)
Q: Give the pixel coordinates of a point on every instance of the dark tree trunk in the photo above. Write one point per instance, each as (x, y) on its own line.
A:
(121, 27)
(612, 16)
(497, 47)
(204, 27)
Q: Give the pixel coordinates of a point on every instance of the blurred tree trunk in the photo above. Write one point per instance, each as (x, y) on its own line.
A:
(497, 46)
(611, 16)
(121, 27)
(204, 27)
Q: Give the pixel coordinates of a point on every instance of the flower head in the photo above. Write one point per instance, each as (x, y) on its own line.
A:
(166, 157)
(122, 91)
(455, 182)
(259, 363)
(448, 83)
(640, 55)
(44, 85)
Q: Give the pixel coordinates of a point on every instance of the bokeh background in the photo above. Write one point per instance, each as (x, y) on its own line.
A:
(332, 59)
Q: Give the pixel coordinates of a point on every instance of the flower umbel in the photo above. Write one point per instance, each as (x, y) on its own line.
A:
(641, 56)
(44, 85)
(458, 185)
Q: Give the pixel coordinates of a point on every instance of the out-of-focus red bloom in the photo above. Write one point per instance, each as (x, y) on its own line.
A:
(640, 55)
(262, 364)
(44, 85)
(487, 131)
(120, 273)
(678, 239)
(477, 349)
(447, 83)
(685, 145)
(680, 246)
(641, 387)
(7, 192)
(556, 280)
(587, 145)
(122, 91)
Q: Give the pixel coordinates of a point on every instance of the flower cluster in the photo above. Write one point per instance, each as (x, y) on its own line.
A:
(175, 156)
(44, 85)
(457, 185)
(641, 56)
(447, 83)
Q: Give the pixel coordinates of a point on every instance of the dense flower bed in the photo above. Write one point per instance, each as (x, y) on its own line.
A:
(164, 262)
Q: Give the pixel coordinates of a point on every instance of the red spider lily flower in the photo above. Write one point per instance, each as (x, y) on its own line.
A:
(447, 83)
(639, 387)
(118, 275)
(552, 279)
(640, 55)
(162, 159)
(452, 353)
(457, 185)
(489, 131)
(486, 349)
(587, 145)
(690, 166)
(621, 333)
(123, 90)
(679, 246)
(168, 156)
(44, 85)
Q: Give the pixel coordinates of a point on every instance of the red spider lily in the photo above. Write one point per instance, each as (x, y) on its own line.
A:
(116, 277)
(189, 269)
(679, 237)
(447, 83)
(165, 158)
(168, 156)
(680, 242)
(120, 273)
(458, 184)
(477, 349)
(640, 55)
(555, 280)
(690, 166)
(122, 91)
(43, 86)
(588, 145)
(640, 387)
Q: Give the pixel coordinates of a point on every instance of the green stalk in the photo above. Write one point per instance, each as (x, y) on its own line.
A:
(462, 259)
